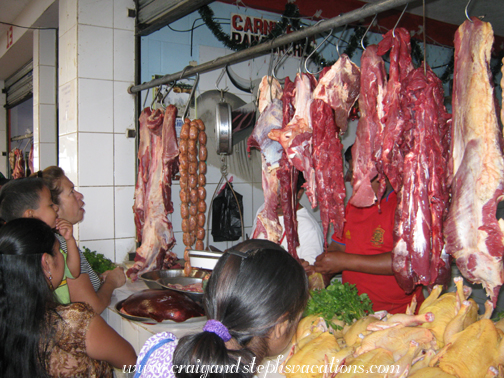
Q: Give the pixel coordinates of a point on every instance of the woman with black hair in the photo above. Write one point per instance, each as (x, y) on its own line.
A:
(253, 301)
(40, 337)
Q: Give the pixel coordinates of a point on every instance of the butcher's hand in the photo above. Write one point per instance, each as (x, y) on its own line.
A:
(115, 277)
(306, 266)
(65, 228)
(330, 262)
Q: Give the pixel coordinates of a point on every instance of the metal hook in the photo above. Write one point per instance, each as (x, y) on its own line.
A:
(339, 40)
(168, 91)
(301, 61)
(466, 14)
(220, 78)
(191, 96)
(156, 97)
(280, 60)
(313, 52)
(183, 72)
(365, 33)
(397, 23)
(145, 99)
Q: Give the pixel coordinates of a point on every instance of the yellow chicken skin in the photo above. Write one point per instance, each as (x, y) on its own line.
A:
(376, 363)
(310, 360)
(430, 372)
(470, 352)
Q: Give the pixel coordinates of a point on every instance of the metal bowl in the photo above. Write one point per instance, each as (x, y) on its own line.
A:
(195, 296)
(151, 278)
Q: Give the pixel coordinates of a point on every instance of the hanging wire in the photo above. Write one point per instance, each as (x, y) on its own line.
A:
(313, 52)
(364, 36)
(301, 61)
(466, 13)
(339, 40)
(280, 60)
(397, 23)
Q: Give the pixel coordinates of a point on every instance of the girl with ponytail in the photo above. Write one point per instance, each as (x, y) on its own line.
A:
(253, 301)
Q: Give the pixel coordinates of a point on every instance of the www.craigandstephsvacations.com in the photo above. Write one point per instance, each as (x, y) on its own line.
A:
(263, 369)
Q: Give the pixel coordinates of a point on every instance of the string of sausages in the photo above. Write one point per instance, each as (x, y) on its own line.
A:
(192, 158)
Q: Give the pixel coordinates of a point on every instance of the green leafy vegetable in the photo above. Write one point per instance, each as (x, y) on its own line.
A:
(98, 261)
(339, 301)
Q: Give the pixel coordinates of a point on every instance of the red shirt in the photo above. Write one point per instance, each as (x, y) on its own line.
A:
(369, 232)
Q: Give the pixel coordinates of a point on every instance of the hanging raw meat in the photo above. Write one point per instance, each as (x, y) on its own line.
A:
(30, 160)
(157, 231)
(296, 136)
(288, 176)
(366, 151)
(398, 42)
(17, 163)
(473, 235)
(424, 194)
(268, 226)
(333, 99)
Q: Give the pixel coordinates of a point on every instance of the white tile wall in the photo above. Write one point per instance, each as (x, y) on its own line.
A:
(67, 16)
(96, 12)
(124, 160)
(47, 82)
(47, 124)
(47, 154)
(67, 56)
(67, 108)
(121, 19)
(99, 218)
(124, 105)
(123, 202)
(47, 54)
(96, 159)
(96, 105)
(106, 247)
(123, 247)
(124, 55)
(68, 156)
(96, 50)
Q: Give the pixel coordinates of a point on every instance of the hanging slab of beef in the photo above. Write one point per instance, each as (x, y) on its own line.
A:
(367, 149)
(161, 305)
(400, 66)
(268, 225)
(296, 136)
(157, 231)
(333, 98)
(473, 235)
(417, 257)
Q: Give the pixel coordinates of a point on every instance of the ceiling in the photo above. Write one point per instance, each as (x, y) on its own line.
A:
(448, 11)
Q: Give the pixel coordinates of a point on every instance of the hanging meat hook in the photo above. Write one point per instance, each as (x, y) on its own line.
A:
(339, 40)
(219, 80)
(191, 96)
(365, 33)
(280, 60)
(302, 59)
(397, 23)
(313, 52)
(158, 97)
(145, 99)
(466, 13)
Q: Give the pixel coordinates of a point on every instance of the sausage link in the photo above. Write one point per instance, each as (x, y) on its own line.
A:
(193, 132)
(201, 180)
(183, 196)
(184, 210)
(200, 234)
(193, 158)
(186, 253)
(192, 223)
(202, 207)
(203, 153)
(184, 133)
(202, 168)
(187, 239)
(199, 245)
(183, 146)
(200, 124)
(187, 268)
(193, 181)
(183, 181)
(192, 146)
(201, 220)
(202, 138)
(193, 210)
(183, 164)
(185, 225)
(193, 195)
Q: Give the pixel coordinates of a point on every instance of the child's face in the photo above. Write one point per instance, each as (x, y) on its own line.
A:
(47, 210)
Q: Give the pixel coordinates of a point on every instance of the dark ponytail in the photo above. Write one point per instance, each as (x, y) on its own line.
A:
(254, 286)
(25, 297)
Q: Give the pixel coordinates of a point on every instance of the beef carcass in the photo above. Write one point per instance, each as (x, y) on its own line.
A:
(366, 151)
(424, 194)
(288, 176)
(268, 226)
(161, 305)
(157, 231)
(296, 136)
(473, 235)
(17, 163)
(333, 99)
(398, 43)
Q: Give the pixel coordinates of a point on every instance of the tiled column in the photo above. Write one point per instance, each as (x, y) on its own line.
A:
(97, 64)
(44, 99)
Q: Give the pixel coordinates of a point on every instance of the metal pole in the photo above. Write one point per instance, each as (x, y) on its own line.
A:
(369, 9)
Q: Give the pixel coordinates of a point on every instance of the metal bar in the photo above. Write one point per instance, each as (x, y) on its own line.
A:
(21, 137)
(265, 48)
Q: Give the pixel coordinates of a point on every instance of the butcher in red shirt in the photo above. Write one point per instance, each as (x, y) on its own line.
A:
(364, 256)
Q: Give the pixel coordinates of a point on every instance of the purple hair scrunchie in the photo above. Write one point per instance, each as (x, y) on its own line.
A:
(218, 328)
